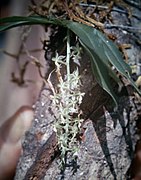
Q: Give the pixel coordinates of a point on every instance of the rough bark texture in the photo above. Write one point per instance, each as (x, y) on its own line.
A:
(108, 143)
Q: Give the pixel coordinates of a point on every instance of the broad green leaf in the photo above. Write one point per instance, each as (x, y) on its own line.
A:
(103, 48)
(101, 73)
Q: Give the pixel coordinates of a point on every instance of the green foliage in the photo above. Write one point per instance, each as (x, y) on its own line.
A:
(103, 52)
(104, 55)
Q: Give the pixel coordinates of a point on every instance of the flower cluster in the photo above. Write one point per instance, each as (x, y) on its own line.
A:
(67, 100)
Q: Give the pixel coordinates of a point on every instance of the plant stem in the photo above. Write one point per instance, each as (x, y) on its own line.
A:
(68, 58)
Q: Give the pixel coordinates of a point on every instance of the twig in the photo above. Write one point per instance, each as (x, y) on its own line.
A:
(112, 9)
(109, 26)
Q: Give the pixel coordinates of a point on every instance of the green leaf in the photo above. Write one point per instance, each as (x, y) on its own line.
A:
(14, 21)
(101, 73)
(102, 46)
(103, 49)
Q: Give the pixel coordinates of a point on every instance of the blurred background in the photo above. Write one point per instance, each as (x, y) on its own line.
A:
(13, 57)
